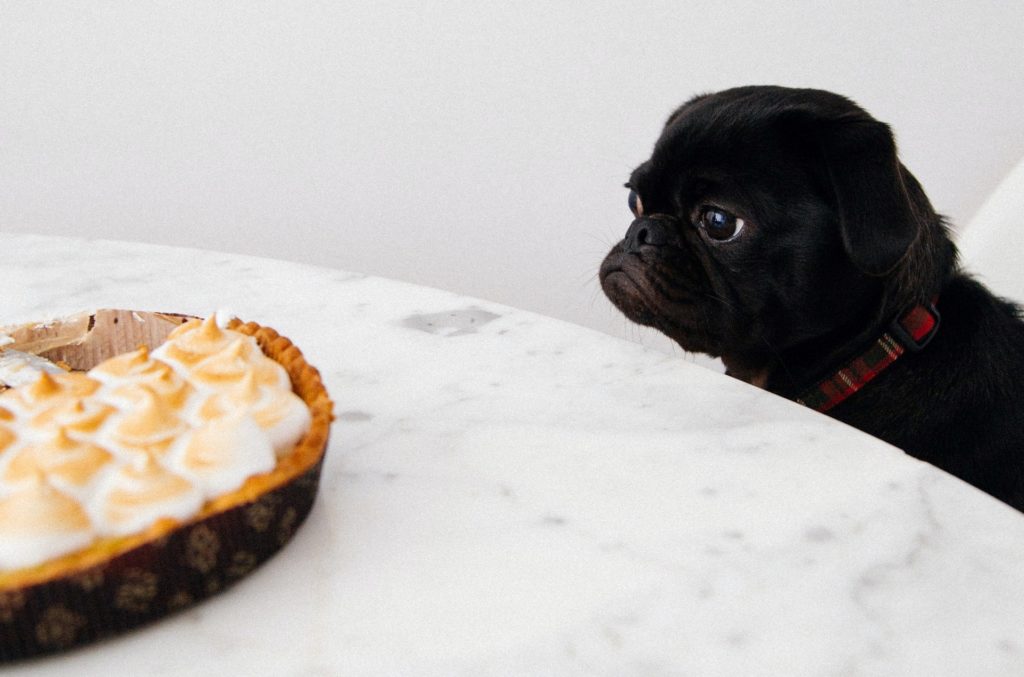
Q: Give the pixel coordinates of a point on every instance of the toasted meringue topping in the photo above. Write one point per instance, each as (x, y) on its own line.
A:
(142, 436)
(149, 420)
(137, 368)
(222, 454)
(136, 496)
(285, 420)
(241, 358)
(126, 366)
(193, 342)
(19, 368)
(38, 522)
(65, 460)
(280, 413)
(48, 390)
(43, 388)
(85, 415)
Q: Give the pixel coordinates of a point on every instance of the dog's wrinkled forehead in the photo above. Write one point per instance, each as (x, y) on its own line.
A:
(757, 108)
(748, 131)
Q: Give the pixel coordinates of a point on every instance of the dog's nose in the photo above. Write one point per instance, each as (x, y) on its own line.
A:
(646, 231)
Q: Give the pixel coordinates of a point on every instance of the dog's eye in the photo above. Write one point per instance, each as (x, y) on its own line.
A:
(635, 205)
(719, 224)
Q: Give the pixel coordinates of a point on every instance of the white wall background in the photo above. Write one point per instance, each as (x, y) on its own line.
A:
(474, 146)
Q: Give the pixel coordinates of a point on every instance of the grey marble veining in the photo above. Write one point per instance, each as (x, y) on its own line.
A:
(507, 494)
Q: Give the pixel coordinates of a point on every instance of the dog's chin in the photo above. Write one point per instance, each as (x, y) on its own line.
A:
(624, 282)
(628, 296)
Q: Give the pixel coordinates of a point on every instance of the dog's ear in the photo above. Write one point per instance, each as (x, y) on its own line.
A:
(875, 198)
(878, 216)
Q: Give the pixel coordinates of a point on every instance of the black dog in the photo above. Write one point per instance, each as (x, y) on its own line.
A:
(776, 228)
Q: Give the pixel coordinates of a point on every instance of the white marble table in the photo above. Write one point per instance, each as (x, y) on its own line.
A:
(506, 494)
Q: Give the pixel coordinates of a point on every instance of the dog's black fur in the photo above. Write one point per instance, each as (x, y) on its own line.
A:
(838, 239)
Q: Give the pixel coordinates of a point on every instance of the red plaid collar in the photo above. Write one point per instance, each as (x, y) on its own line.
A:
(910, 332)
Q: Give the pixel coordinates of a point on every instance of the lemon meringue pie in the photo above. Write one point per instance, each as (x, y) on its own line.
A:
(107, 463)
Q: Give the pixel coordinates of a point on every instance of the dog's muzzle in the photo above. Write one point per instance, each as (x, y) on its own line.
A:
(655, 230)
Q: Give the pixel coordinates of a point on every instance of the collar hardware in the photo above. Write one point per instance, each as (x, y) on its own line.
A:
(916, 328)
